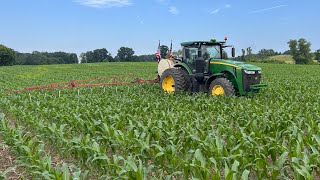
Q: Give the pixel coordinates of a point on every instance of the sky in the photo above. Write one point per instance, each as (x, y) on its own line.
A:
(83, 25)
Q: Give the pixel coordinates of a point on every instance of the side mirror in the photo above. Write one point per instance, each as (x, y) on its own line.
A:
(233, 52)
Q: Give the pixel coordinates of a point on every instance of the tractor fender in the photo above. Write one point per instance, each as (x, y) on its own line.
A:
(184, 66)
(213, 77)
(226, 74)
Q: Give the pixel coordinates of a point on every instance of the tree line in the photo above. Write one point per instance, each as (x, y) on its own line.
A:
(10, 57)
(299, 49)
(124, 54)
(39, 58)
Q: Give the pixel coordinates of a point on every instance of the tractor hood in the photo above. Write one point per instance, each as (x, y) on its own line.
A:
(236, 64)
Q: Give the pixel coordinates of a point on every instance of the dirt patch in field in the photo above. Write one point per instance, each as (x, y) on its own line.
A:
(56, 158)
(7, 161)
(11, 120)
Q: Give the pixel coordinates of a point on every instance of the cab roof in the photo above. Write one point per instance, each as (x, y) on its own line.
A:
(196, 43)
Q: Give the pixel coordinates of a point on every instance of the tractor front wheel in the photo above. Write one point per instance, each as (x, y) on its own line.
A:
(221, 86)
(172, 80)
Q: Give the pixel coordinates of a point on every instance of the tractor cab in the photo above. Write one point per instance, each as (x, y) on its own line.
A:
(205, 50)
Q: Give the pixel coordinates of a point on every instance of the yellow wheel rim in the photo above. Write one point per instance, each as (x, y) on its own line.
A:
(217, 90)
(168, 84)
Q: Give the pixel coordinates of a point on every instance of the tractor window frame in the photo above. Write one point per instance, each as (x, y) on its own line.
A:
(218, 49)
(192, 56)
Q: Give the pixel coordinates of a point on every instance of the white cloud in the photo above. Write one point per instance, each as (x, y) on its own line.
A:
(227, 6)
(104, 3)
(267, 9)
(173, 10)
(216, 11)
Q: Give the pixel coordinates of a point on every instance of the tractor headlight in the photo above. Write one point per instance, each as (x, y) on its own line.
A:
(259, 72)
(249, 72)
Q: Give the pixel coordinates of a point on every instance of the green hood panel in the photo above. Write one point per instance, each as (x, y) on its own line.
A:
(236, 64)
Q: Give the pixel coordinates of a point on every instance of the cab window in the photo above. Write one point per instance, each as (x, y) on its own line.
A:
(191, 54)
(211, 52)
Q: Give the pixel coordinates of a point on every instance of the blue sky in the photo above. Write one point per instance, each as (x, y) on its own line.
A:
(82, 25)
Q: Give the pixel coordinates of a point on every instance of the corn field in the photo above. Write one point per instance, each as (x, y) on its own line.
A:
(138, 132)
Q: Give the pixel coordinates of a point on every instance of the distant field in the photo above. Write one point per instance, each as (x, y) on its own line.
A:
(138, 132)
(22, 76)
(283, 58)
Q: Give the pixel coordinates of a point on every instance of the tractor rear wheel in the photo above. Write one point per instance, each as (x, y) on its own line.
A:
(221, 86)
(172, 80)
(186, 76)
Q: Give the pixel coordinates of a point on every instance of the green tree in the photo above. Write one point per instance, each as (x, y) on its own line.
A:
(177, 53)
(97, 55)
(36, 58)
(164, 51)
(300, 51)
(7, 56)
(135, 58)
(101, 55)
(249, 56)
(243, 55)
(243, 52)
(287, 52)
(249, 51)
(73, 58)
(21, 58)
(224, 54)
(266, 52)
(109, 58)
(83, 58)
(293, 47)
(88, 57)
(125, 54)
(57, 57)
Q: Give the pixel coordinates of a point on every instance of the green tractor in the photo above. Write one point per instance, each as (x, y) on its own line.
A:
(204, 67)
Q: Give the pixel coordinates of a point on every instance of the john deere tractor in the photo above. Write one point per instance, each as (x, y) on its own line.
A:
(204, 67)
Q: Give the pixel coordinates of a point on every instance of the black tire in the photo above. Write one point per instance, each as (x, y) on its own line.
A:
(225, 84)
(186, 76)
(172, 80)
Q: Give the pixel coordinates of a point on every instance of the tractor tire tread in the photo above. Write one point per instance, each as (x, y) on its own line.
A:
(186, 76)
(179, 80)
